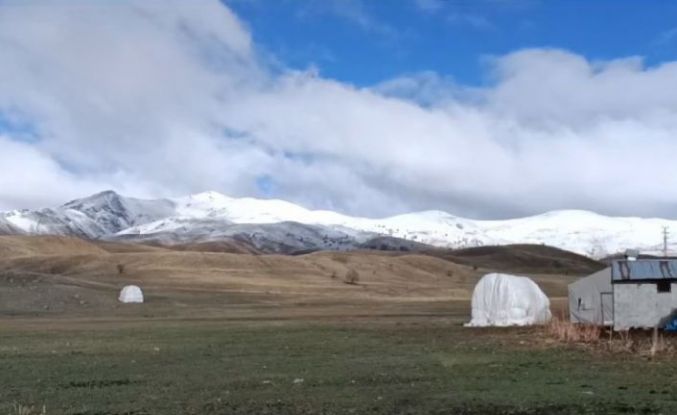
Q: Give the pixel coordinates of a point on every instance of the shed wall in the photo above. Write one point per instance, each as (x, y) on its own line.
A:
(642, 306)
(585, 299)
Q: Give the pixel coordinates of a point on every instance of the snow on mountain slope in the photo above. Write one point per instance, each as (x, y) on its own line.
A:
(431, 227)
(579, 231)
(583, 232)
(92, 217)
(114, 213)
(280, 237)
(7, 228)
(282, 226)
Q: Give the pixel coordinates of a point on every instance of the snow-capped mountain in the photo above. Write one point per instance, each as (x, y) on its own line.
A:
(280, 226)
(102, 214)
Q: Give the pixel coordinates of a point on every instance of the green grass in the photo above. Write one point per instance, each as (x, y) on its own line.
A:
(375, 368)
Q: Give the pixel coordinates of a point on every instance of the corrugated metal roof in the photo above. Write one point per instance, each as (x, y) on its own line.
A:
(644, 269)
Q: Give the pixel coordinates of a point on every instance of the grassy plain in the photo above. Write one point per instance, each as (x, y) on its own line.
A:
(327, 365)
(230, 333)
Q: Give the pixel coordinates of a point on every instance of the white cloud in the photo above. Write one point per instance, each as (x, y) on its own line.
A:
(429, 6)
(472, 14)
(134, 86)
(158, 98)
(427, 88)
(665, 38)
(469, 19)
(32, 178)
(352, 11)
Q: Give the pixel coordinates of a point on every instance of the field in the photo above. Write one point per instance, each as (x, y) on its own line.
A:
(226, 333)
(409, 365)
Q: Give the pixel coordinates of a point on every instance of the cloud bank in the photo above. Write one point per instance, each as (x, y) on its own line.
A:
(164, 98)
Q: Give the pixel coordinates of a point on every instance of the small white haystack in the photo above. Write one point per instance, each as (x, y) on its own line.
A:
(131, 294)
(508, 300)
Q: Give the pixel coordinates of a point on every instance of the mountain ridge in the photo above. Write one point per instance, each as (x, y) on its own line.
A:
(281, 226)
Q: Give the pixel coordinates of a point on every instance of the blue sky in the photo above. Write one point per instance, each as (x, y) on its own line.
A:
(367, 41)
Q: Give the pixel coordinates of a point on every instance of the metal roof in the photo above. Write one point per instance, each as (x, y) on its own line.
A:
(643, 269)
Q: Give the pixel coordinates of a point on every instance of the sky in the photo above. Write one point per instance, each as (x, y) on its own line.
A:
(484, 108)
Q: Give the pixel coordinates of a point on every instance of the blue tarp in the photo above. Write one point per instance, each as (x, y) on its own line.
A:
(671, 325)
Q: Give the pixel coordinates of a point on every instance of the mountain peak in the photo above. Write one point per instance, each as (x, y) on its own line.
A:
(209, 195)
(106, 195)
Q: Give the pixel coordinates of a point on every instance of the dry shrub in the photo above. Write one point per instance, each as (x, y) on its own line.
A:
(567, 331)
(352, 277)
(639, 342)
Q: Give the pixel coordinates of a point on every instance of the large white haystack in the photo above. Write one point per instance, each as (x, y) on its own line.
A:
(508, 300)
(131, 294)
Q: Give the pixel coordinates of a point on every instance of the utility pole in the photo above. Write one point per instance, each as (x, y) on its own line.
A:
(666, 233)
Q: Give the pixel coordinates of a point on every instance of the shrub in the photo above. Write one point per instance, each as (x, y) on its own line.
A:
(648, 344)
(352, 277)
(121, 269)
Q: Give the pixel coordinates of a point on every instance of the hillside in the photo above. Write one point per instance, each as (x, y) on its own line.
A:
(33, 246)
(521, 259)
(55, 275)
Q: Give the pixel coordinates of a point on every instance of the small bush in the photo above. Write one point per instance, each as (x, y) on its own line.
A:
(121, 269)
(352, 277)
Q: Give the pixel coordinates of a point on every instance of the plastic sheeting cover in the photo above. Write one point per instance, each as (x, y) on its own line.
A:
(508, 300)
(131, 294)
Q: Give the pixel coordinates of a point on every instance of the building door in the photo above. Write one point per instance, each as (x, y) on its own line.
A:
(607, 303)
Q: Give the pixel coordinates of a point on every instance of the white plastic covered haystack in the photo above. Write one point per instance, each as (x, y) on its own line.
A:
(508, 300)
(131, 294)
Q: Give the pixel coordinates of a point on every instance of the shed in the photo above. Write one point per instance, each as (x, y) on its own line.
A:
(631, 293)
(644, 292)
(591, 299)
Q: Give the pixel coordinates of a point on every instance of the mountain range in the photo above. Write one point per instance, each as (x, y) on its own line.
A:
(271, 225)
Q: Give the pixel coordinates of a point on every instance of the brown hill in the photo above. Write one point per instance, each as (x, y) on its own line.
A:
(231, 246)
(66, 276)
(18, 246)
(523, 258)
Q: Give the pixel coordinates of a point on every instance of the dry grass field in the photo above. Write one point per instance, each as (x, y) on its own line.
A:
(58, 276)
